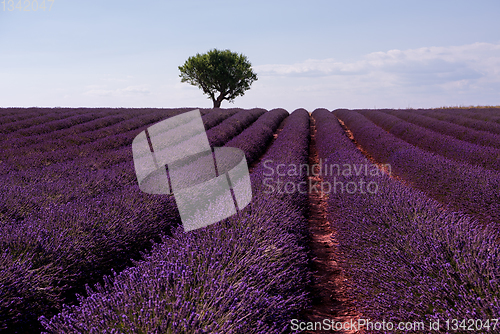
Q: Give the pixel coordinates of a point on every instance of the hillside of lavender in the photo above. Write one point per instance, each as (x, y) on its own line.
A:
(84, 250)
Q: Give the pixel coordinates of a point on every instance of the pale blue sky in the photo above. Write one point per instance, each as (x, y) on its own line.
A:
(310, 54)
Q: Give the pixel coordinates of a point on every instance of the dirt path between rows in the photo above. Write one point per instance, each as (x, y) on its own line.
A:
(329, 291)
(382, 167)
(254, 164)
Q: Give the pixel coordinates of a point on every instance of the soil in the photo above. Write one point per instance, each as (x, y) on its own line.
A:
(368, 156)
(329, 291)
(275, 136)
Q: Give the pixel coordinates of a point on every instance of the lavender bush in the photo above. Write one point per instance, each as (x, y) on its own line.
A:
(246, 274)
(408, 257)
(42, 152)
(447, 146)
(477, 124)
(33, 120)
(64, 225)
(485, 114)
(59, 137)
(17, 114)
(255, 139)
(460, 132)
(232, 126)
(77, 166)
(217, 116)
(471, 189)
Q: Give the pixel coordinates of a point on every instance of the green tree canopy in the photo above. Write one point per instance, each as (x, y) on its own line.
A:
(227, 73)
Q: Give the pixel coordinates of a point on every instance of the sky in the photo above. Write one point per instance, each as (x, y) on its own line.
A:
(306, 54)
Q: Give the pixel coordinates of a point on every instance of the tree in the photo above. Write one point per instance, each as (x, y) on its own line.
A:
(224, 72)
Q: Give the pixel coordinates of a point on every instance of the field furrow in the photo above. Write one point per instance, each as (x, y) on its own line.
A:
(382, 215)
(444, 145)
(330, 295)
(243, 275)
(477, 124)
(460, 132)
(410, 259)
(473, 190)
(97, 223)
(485, 114)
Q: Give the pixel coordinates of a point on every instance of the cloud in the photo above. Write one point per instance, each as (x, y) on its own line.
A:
(117, 79)
(310, 68)
(437, 66)
(135, 90)
(100, 91)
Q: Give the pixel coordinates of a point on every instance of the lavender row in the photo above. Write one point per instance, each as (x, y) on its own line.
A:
(476, 124)
(75, 145)
(38, 118)
(57, 131)
(246, 274)
(255, 139)
(48, 127)
(42, 288)
(66, 127)
(99, 225)
(252, 141)
(30, 117)
(55, 114)
(49, 255)
(471, 189)
(485, 114)
(8, 115)
(86, 176)
(447, 146)
(222, 133)
(29, 159)
(460, 132)
(115, 171)
(17, 149)
(408, 257)
(195, 170)
(232, 126)
(216, 116)
(50, 130)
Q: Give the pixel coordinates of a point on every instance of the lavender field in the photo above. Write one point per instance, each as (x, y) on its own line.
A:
(411, 199)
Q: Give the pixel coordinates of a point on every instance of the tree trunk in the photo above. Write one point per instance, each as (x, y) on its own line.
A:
(218, 101)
